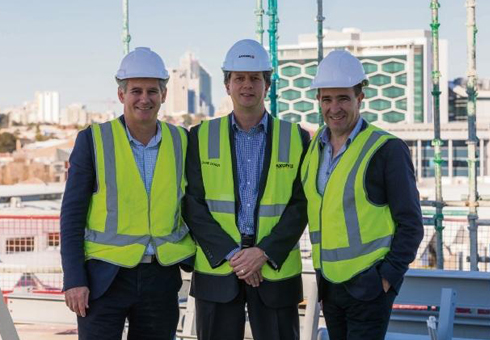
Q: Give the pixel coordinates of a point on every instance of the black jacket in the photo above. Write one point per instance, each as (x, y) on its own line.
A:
(390, 179)
(216, 243)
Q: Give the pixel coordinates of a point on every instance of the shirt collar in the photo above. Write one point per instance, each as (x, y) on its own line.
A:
(263, 123)
(153, 141)
(325, 137)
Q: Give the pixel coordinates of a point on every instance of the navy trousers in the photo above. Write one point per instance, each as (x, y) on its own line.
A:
(348, 318)
(146, 295)
(226, 321)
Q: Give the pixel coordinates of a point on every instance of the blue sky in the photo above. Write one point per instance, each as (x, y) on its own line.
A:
(75, 47)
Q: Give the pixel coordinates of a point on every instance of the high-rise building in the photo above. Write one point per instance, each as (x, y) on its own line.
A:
(189, 89)
(48, 107)
(398, 64)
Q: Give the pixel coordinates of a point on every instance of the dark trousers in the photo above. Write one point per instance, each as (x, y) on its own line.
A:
(146, 295)
(226, 321)
(348, 318)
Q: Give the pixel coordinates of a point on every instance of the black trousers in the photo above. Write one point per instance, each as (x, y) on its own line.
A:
(146, 295)
(226, 321)
(348, 318)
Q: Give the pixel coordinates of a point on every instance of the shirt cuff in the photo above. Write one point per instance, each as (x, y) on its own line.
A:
(232, 253)
(271, 261)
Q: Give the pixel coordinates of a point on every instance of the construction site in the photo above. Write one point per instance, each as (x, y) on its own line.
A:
(446, 294)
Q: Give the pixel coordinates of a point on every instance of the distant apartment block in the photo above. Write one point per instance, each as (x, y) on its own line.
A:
(397, 63)
(48, 107)
(189, 89)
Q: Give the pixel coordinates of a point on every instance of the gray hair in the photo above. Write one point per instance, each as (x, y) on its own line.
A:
(123, 84)
(267, 77)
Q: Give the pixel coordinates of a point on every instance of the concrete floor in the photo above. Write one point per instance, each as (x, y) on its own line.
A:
(46, 332)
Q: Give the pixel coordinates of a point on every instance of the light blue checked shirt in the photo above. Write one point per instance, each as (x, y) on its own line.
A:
(327, 161)
(146, 158)
(249, 149)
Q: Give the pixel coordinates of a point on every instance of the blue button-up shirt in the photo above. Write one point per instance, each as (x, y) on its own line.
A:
(146, 158)
(327, 161)
(249, 149)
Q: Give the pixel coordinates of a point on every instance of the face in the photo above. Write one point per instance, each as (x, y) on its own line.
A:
(247, 90)
(142, 100)
(340, 109)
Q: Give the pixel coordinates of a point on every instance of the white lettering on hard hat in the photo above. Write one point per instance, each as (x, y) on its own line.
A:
(246, 56)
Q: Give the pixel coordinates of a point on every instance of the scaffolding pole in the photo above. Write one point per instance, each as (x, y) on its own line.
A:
(273, 20)
(436, 142)
(259, 12)
(126, 38)
(472, 139)
(319, 19)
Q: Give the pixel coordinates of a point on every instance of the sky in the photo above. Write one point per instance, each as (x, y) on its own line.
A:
(74, 47)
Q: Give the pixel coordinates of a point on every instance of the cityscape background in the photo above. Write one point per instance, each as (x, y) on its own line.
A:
(57, 65)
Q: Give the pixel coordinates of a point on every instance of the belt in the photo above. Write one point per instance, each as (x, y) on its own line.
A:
(148, 259)
(248, 241)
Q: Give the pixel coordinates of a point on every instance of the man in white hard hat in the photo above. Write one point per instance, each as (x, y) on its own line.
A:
(246, 209)
(121, 241)
(364, 215)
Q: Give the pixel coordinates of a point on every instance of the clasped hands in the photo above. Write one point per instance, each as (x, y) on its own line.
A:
(247, 264)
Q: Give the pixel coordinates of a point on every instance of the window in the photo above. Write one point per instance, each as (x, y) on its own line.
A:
(393, 117)
(370, 116)
(311, 70)
(393, 92)
(393, 67)
(303, 106)
(291, 71)
(302, 82)
(19, 244)
(54, 239)
(282, 83)
(369, 92)
(379, 104)
(380, 80)
(290, 94)
(314, 118)
(369, 68)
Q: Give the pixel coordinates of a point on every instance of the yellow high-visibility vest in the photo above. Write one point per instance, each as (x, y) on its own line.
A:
(217, 174)
(123, 218)
(348, 233)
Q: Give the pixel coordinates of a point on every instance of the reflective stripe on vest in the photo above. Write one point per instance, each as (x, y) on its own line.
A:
(217, 170)
(338, 228)
(121, 220)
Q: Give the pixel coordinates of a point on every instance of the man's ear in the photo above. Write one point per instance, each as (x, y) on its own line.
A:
(120, 95)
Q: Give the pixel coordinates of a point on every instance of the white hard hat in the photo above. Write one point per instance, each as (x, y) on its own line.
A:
(339, 69)
(247, 56)
(142, 63)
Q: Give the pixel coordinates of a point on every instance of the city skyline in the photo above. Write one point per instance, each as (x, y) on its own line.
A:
(75, 48)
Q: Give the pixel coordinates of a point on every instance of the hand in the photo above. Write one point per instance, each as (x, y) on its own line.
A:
(255, 279)
(77, 300)
(386, 284)
(248, 261)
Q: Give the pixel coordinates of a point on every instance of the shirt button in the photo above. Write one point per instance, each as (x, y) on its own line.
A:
(248, 137)
(248, 160)
(248, 205)
(248, 183)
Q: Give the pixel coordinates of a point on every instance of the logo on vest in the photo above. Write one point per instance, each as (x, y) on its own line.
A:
(285, 166)
(246, 56)
(211, 163)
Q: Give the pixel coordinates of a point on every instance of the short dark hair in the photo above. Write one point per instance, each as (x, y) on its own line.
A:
(267, 77)
(358, 89)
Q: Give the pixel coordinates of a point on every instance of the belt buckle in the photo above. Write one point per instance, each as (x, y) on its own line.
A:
(148, 259)
(247, 241)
